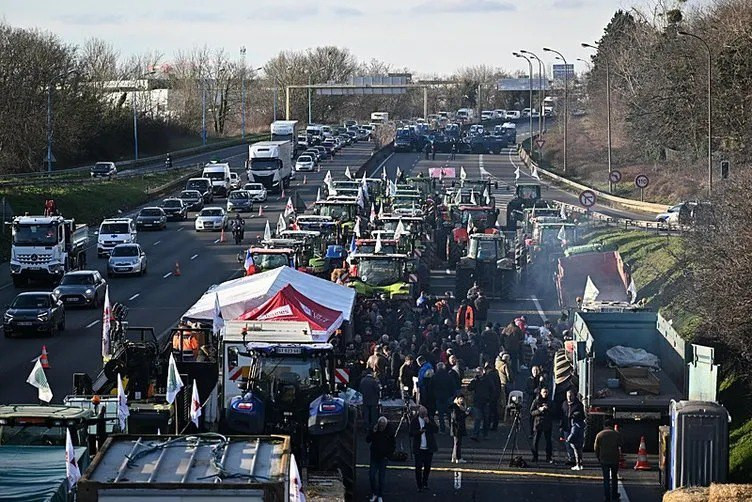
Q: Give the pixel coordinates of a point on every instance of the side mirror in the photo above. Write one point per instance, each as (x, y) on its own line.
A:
(232, 357)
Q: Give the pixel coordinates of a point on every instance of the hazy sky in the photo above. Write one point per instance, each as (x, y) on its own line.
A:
(428, 36)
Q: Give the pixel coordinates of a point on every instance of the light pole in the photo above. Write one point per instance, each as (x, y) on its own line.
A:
(541, 76)
(242, 95)
(49, 115)
(566, 101)
(530, 98)
(710, 108)
(310, 114)
(588, 63)
(135, 112)
(608, 111)
(203, 111)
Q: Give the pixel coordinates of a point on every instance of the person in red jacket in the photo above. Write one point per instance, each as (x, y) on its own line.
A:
(465, 316)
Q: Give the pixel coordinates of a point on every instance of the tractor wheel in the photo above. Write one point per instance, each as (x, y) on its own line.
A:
(338, 453)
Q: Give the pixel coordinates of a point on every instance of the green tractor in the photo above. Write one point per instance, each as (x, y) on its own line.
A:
(343, 211)
(387, 276)
(312, 249)
(488, 264)
(527, 194)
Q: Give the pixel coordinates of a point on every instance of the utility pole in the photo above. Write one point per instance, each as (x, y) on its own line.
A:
(242, 95)
(203, 111)
(49, 127)
(530, 98)
(566, 101)
(542, 94)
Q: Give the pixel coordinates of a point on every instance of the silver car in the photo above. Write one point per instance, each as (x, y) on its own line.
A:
(126, 259)
(84, 288)
(211, 218)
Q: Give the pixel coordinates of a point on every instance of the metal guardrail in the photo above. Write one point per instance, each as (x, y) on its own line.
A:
(624, 223)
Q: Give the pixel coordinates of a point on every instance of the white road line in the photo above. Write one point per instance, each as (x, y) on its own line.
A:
(539, 308)
(217, 241)
(156, 243)
(134, 296)
(92, 323)
(382, 164)
(180, 229)
(194, 257)
(6, 285)
(623, 497)
(168, 274)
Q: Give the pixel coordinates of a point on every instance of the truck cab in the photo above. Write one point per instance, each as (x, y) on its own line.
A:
(219, 174)
(114, 231)
(270, 163)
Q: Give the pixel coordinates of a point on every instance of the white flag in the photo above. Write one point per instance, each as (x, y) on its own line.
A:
(195, 404)
(267, 231)
(38, 379)
(356, 229)
(381, 211)
(469, 223)
(174, 382)
(218, 322)
(400, 230)
(348, 175)
(591, 292)
(562, 235)
(377, 247)
(458, 196)
(562, 213)
(106, 319)
(399, 173)
(632, 290)
(281, 224)
(392, 188)
(372, 216)
(289, 208)
(122, 410)
(318, 195)
(472, 199)
(517, 172)
(328, 178)
(463, 174)
(361, 200)
(72, 471)
(296, 485)
(534, 172)
(364, 184)
(487, 195)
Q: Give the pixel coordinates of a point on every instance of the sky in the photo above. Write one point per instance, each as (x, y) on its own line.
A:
(427, 36)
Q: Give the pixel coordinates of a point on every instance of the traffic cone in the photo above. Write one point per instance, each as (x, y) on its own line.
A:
(642, 457)
(305, 179)
(43, 358)
(176, 272)
(282, 195)
(622, 460)
(261, 210)
(222, 235)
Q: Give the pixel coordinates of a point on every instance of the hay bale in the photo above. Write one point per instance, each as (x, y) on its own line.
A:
(730, 493)
(692, 494)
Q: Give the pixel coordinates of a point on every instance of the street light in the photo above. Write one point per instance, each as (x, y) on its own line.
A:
(530, 98)
(541, 77)
(566, 100)
(135, 113)
(309, 94)
(588, 63)
(608, 110)
(242, 96)
(710, 108)
(62, 76)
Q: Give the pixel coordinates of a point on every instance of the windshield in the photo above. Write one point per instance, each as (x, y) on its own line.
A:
(480, 219)
(380, 272)
(304, 158)
(31, 302)
(150, 212)
(239, 195)
(270, 261)
(253, 186)
(190, 194)
(114, 228)
(337, 212)
(200, 185)
(528, 192)
(211, 212)
(35, 235)
(125, 251)
(215, 176)
(37, 435)
(265, 164)
(77, 279)
(485, 250)
(172, 203)
(370, 248)
(305, 373)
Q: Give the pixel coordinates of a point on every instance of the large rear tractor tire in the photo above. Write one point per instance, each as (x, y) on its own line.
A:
(338, 453)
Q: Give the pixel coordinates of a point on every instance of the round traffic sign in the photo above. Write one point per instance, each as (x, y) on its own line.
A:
(641, 181)
(615, 176)
(587, 198)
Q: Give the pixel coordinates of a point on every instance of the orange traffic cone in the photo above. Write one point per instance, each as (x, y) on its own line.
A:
(43, 358)
(642, 457)
(622, 460)
(261, 210)
(282, 195)
(305, 179)
(176, 272)
(222, 235)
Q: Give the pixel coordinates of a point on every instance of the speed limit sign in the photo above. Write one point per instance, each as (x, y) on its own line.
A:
(641, 181)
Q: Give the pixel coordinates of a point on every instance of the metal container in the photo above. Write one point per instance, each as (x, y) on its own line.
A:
(200, 467)
(699, 444)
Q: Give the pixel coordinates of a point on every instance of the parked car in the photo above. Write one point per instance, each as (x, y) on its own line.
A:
(175, 208)
(151, 217)
(34, 312)
(84, 288)
(239, 200)
(305, 163)
(103, 169)
(193, 199)
(257, 191)
(211, 218)
(127, 259)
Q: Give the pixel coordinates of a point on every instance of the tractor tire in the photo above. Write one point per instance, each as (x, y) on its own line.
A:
(338, 453)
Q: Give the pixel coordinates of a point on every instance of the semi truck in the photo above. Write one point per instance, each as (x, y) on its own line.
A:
(46, 247)
(285, 130)
(270, 163)
(379, 117)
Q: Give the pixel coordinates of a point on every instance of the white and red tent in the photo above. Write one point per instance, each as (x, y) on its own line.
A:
(288, 304)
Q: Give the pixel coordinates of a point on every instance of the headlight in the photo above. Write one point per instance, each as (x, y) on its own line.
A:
(88, 292)
(14, 267)
(8, 317)
(43, 316)
(56, 291)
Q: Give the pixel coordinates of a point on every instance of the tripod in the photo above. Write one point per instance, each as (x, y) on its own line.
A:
(404, 419)
(512, 437)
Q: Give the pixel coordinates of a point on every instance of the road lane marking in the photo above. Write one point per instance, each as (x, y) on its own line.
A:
(168, 274)
(92, 323)
(194, 257)
(6, 285)
(382, 164)
(540, 309)
(134, 296)
(179, 229)
(156, 243)
(497, 472)
(216, 241)
(623, 497)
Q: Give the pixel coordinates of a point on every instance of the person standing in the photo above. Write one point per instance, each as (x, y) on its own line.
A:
(465, 316)
(607, 444)
(494, 384)
(569, 407)
(540, 410)
(443, 387)
(481, 390)
(423, 432)
(505, 379)
(512, 344)
(370, 389)
(576, 439)
(481, 309)
(457, 428)
(381, 437)
(454, 150)
(407, 371)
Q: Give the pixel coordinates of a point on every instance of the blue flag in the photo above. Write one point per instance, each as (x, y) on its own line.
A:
(353, 246)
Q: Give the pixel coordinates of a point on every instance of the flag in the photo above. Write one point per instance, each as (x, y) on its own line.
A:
(289, 208)
(517, 172)
(458, 196)
(356, 229)
(218, 322)
(296, 485)
(353, 246)
(463, 174)
(591, 292)
(38, 379)
(399, 174)
(361, 200)
(72, 471)
(392, 188)
(328, 178)
(364, 184)
(469, 222)
(487, 195)
(281, 224)
(534, 172)
(632, 290)
(472, 198)
(383, 173)
(562, 235)
(562, 213)
(267, 231)
(441, 175)
(400, 230)
(318, 194)
(106, 318)
(372, 216)
(174, 383)
(348, 175)
(377, 247)
(381, 211)
(195, 404)
(122, 409)
(248, 259)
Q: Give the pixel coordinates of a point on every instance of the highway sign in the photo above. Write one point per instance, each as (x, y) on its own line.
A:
(540, 142)
(615, 176)
(641, 181)
(587, 198)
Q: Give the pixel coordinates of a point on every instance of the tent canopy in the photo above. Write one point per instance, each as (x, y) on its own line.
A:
(289, 305)
(242, 295)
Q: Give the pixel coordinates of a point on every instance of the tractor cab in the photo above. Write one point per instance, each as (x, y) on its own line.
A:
(425, 185)
(368, 246)
(483, 218)
(533, 214)
(325, 225)
(340, 210)
(267, 258)
(527, 195)
(310, 240)
(486, 263)
(383, 275)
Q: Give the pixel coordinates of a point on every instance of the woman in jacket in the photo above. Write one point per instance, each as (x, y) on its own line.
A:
(457, 414)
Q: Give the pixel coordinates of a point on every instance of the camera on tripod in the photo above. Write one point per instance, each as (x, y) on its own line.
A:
(514, 405)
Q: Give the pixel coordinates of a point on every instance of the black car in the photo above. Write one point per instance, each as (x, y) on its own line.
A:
(34, 312)
(323, 152)
(330, 146)
(175, 208)
(103, 169)
(151, 217)
(82, 288)
(193, 199)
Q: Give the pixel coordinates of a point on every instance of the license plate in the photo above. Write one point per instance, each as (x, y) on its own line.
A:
(24, 323)
(74, 299)
(34, 268)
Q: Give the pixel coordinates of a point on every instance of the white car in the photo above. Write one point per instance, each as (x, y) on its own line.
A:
(257, 191)
(305, 163)
(487, 115)
(211, 218)
(513, 115)
(234, 181)
(671, 215)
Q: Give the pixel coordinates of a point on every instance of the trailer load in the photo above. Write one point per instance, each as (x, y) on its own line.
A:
(606, 271)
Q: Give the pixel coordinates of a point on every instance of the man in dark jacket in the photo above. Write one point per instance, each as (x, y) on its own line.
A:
(381, 437)
(407, 371)
(492, 376)
(370, 389)
(489, 343)
(513, 337)
(607, 445)
(481, 389)
(540, 410)
(481, 308)
(569, 407)
(444, 389)
(423, 433)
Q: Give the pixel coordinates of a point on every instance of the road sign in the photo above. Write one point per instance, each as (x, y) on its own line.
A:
(587, 198)
(540, 142)
(615, 176)
(641, 181)
(725, 166)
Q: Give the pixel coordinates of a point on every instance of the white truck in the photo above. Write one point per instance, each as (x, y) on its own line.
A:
(114, 231)
(379, 117)
(465, 115)
(45, 247)
(219, 174)
(270, 163)
(285, 130)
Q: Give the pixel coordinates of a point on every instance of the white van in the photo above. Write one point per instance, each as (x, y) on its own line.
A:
(219, 174)
(114, 231)
(270, 163)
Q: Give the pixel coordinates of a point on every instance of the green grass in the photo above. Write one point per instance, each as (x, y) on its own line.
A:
(740, 453)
